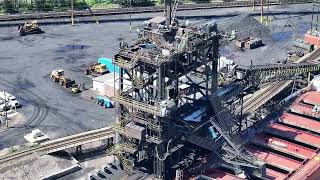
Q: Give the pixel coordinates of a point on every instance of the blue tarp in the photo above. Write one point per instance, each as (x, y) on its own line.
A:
(108, 62)
(196, 115)
(106, 101)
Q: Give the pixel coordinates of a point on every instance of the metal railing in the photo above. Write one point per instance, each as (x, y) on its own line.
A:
(129, 102)
(59, 144)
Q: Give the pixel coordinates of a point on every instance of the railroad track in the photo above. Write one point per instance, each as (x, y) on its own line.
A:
(115, 11)
(58, 145)
(16, 155)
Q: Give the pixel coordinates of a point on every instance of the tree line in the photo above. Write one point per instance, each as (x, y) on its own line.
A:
(19, 6)
(16, 6)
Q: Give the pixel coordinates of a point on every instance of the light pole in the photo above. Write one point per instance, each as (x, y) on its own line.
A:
(5, 109)
(261, 12)
(130, 4)
(72, 18)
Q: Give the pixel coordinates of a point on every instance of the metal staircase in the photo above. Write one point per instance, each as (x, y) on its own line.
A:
(154, 126)
(118, 149)
(127, 64)
(137, 82)
(235, 151)
(127, 165)
(120, 125)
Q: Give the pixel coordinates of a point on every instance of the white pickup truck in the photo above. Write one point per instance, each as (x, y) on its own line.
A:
(10, 99)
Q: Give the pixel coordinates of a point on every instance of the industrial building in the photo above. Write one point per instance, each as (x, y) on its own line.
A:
(181, 109)
(151, 111)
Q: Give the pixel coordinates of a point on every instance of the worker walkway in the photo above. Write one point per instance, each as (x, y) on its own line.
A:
(275, 160)
(275, 175)
(305, 109)
(76, 140)
(220, 175)
(284, 146)
(310, 170)
(312, 98)
(301, 122)
(294, 134)
(137, 104)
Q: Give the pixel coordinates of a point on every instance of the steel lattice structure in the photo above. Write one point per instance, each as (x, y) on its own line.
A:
(157, 78)
(150, 89)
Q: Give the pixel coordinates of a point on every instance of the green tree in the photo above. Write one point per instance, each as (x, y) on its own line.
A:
(160, 1)
(8, 6)
(91, 2)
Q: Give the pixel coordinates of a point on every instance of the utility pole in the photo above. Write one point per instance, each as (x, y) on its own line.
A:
(268, 13)
(5, 109)
(130, 5)
(72, 15)
(254, 5)
(261, 18)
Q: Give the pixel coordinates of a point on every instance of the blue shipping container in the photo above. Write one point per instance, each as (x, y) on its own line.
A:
(108, 62)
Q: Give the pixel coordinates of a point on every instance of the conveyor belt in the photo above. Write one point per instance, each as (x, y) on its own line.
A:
(281, 84)
(58, 145)
(267, 73)
(261, 97)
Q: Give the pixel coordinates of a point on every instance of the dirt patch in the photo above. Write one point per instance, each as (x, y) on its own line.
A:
(16, 119)
(36, 168)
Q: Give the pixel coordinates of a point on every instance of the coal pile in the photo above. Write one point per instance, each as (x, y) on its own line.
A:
(246, 25)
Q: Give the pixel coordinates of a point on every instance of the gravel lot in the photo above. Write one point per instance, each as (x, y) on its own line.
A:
(24, 71)
(25, 64)
(37, 168)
